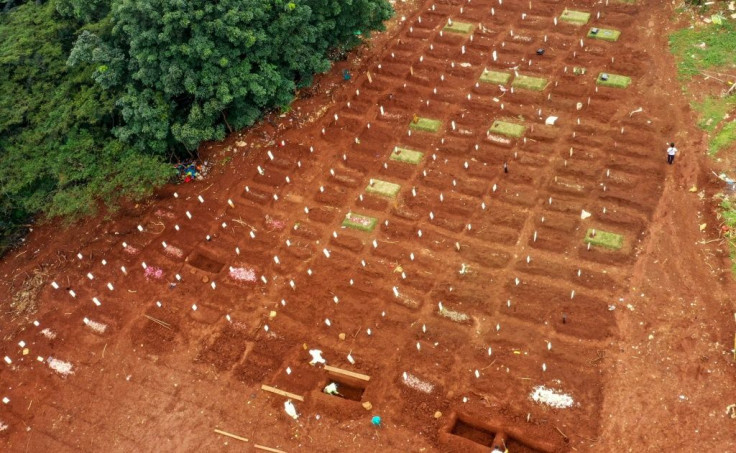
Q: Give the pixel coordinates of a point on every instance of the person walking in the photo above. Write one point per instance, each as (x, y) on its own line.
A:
(671, 151)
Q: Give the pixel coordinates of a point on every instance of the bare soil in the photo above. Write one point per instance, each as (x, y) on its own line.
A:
(640, 337)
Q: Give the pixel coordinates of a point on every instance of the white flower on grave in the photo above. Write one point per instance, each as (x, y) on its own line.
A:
(331, 389)
(290, 409)
(316, 357)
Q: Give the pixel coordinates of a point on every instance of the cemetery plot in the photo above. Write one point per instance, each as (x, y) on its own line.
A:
(398, 235)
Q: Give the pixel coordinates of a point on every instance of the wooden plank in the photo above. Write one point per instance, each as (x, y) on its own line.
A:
(293, 396)
(272, 450)
(234, 436)
(353, 374)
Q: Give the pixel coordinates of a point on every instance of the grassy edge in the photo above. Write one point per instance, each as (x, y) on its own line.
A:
(704, 49)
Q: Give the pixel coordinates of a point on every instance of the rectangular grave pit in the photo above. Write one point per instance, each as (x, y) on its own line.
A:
(205, 263)
(465, 432)
(348, 388)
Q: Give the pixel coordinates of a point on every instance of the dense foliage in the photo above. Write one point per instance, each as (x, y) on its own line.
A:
(98, 94)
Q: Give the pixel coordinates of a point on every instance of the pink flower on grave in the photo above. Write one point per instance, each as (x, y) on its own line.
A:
(275, 224)
(153, 272)
(242, 274)
(364, 221)
(174, 251)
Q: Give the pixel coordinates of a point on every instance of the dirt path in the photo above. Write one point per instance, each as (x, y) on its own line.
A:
(672, 374)
(465, 292)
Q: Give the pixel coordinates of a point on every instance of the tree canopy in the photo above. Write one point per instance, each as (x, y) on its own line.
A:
(98, 93)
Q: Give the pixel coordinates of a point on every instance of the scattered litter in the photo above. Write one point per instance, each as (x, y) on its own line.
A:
(316, 357)
(585, 214)
(61, 367)
(331, 389)
(550, 397)
(3, 426)
(290, 409)
(550, 121)
(48, 333)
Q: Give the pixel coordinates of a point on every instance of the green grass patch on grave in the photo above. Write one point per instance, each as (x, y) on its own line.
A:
(577, 70)
(613, 80)
(359, 222)
(529, 83)
(383, 188)
(459, 27)
(604, 34)
(507, 129)
(575, 17)
(425, 124)
(495, 77)
(407, 155)
(604, 239)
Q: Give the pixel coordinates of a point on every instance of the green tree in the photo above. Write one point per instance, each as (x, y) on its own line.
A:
(195, 70)
(57, 153)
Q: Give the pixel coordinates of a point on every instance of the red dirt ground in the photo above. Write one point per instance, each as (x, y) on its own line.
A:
(644, 349)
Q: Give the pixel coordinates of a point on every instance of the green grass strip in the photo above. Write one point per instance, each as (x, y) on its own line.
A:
(495, 77)
(614, 80)
(575, 17)
(383, 188)
(407, 155)
(529, 83)
(426, 125)
(723, 138)
(507, 129)
(713, 110)
(604, 239)
(704, 47)
(459, 27)
(359, 222)
(605, 34)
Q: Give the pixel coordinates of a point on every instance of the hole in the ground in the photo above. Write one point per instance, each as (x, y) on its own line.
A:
(344, 387)
(472, 433)
(205, 263)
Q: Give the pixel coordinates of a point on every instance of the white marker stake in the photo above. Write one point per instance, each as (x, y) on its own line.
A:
(96, 301)
(72, 293)
(55, 285)
(110, 287)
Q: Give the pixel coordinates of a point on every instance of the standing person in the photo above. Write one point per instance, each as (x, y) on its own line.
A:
(671, 151)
